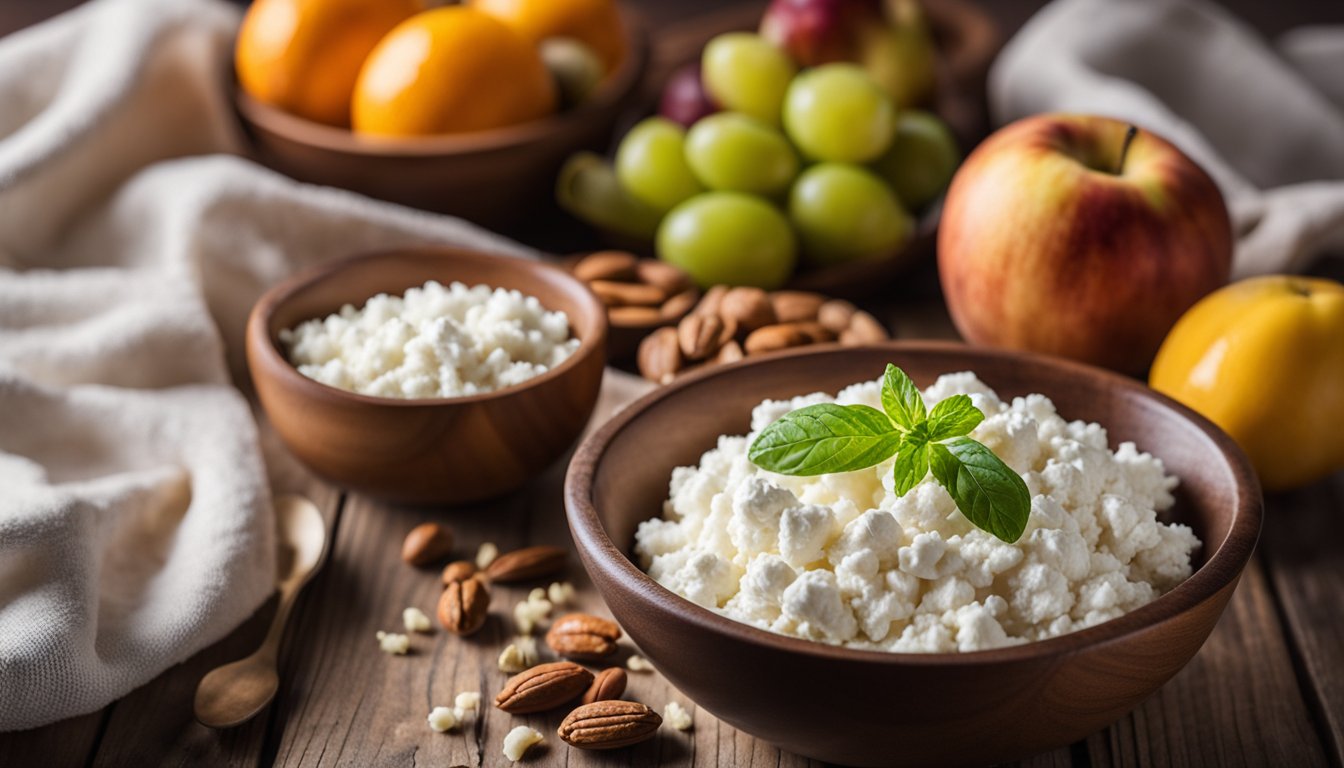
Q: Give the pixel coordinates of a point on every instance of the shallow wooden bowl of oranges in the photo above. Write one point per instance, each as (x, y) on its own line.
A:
(463, 109)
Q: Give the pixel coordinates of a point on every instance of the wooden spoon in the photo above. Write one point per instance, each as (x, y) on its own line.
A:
(234, 693)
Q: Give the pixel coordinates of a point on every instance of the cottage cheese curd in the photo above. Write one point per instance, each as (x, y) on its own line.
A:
(840, 559)
(435, 341)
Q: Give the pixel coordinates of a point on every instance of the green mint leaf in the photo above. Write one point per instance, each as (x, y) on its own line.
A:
(954, 417)
(987, 491)
(825, 438)
(912, 465)
(901, 399)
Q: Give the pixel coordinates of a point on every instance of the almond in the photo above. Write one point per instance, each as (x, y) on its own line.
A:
(543, 687)
(863, 329)
(816, 332)
(458, 570)
(464, 605)
(426, 543)
(749, 308)
(606, 265)
(659, 355)
(728, 353)
(712, 301)
(609, 725)
(835, 314)
(527, 563)
(772, 338)
(581, 636)
(615, 294)
(607, 685)
(679, 304)
(796, 306)
(700, 336)
(662, 275)
(631, 316)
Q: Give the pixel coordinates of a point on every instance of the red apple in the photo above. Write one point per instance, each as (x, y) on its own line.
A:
(685, 99)
(1078, 236)
(889, 38)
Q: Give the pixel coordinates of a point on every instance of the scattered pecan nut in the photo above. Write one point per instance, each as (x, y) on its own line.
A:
(609, 725)
(464, 606)
(582, 636)
(427, 543)
(543, 687)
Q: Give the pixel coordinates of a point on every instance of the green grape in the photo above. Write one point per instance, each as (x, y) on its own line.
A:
(921, 160)
(845, 213)
(651, 164)
(728, 238)
(587, 187)
(731, 151)
(836, 112)
(745, 73)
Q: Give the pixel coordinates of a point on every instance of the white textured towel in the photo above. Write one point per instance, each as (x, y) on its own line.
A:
(1266, 123)
(135, 521)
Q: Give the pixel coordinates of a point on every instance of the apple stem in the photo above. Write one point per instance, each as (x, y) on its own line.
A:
(1124, 149)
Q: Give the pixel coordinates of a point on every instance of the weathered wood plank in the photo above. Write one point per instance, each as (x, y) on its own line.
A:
(1236, 704)
(67, 744)
(1303, 546)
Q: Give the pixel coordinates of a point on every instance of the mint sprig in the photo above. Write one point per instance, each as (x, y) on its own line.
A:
(825, 438)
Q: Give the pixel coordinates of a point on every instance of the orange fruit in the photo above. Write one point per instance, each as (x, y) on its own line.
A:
(450, 70)
(595, 23)
(303, 55)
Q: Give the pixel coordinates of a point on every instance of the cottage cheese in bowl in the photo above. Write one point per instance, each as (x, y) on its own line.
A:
(841, 559)
(435, 341)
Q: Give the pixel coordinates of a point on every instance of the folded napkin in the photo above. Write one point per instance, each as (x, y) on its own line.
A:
(1267, 124)
(135, 519)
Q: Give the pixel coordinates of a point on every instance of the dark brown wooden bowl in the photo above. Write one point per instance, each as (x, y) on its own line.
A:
(442, 450)
(875, 708)
(494, 178)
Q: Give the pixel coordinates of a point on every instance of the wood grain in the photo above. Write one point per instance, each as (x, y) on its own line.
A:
(1303, 546)
(1215, 711)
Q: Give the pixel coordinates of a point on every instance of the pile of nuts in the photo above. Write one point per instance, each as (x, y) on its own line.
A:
(637, 291)
(731, 323)
(601, 720)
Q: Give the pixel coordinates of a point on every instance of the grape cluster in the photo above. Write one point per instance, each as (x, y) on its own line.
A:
(777, 166)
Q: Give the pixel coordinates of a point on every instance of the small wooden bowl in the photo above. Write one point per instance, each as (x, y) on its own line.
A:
(441, 450)
(907, 709)
(493, 178)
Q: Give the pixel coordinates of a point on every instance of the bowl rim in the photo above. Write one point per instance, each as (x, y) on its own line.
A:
(1223, 567)
(618, 86)
(262, 342)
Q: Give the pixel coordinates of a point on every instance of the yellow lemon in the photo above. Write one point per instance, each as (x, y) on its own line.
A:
(1264, 359)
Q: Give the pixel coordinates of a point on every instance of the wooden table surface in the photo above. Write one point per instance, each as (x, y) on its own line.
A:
(1266, 690)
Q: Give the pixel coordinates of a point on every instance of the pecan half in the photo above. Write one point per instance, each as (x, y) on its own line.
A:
(609, 725)
(581, 636)
(659, 355)
(543, 687)
(464, 605)
(607, 685)
(700, 336)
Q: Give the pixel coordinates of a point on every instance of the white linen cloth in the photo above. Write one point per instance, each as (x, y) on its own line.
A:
(135, 519)
(1266, 123)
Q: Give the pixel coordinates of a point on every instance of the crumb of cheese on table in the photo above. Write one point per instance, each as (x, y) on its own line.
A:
(518, 741)
(415, 620)
(393, 643)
